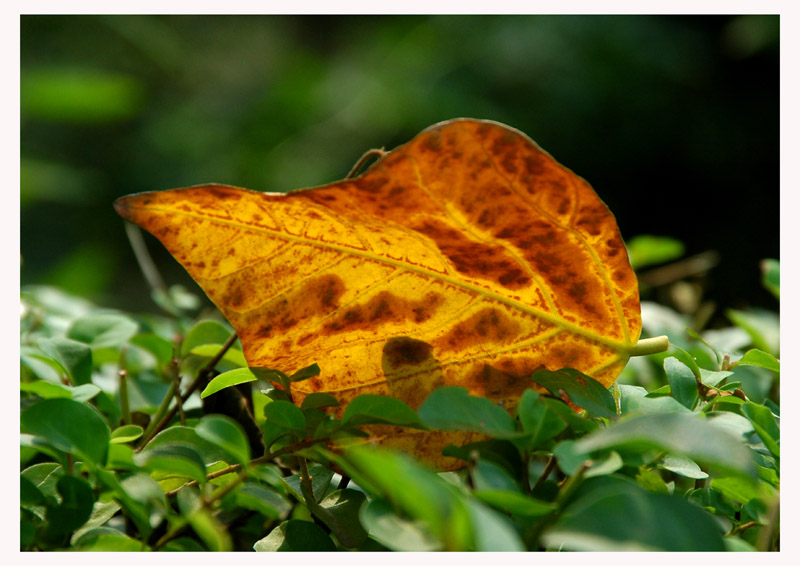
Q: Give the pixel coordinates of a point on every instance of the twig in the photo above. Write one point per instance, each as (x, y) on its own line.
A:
(124, 404)
(548, 469)
(201, 376)
(363, 159)
(146, 263)
(260, 460)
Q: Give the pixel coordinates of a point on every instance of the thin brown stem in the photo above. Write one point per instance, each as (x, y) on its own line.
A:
(548, 469)
(260, 460)
(360, 163)
(202, 375)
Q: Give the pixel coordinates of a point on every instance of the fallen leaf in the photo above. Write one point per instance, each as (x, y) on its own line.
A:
(467, 257)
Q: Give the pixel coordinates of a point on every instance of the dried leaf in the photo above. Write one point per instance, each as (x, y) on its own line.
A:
(465, 257)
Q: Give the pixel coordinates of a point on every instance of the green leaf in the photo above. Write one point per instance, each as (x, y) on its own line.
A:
(651, 481)
(635, 399)
(69, 426)
(105, 539)
(415, 490)
(75, 358)
(380, 409)
(285, 414)
(208, 451)
(296, 535)
(682, 382)
(75, 508)
(646, 250)
(126, 433)
(453, 408)
(341, 515)
(101, 513)
(537, 419)
(621, 516)
(228, 379)
(492, 531)
(582, 390)
(319, 400)
(204, 524)
(682, 466)
(207, 331)
(231, 355)
(50, 390)
(762, 325)
(176, 458)
(683, 434)
(760, 359)
(29, 495)
(488, 476)
(396, 533)
(515, 503)
(320, 482)
(687, 359)
(161, 348)
(576, 422)
(103, 330)
(305, 373)
(262, 500)
(713, 378)
(44, 476)
(765, 425)
(226, 433)
(741, 489)
(771, 276)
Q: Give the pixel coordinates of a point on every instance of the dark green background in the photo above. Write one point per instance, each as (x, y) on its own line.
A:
(673, 120)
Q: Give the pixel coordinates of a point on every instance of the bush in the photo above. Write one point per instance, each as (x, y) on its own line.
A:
(147, 432)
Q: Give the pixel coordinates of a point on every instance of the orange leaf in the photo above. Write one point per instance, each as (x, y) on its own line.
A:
(467, 256)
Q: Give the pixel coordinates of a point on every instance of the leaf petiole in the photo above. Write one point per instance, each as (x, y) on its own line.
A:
(648, 346)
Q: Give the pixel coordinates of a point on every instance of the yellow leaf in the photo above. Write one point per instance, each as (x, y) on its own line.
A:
(467, 256)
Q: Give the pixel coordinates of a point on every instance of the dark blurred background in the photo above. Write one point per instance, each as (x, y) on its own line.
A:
(673, 120)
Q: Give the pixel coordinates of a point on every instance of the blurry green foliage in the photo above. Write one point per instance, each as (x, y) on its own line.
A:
(650, 109)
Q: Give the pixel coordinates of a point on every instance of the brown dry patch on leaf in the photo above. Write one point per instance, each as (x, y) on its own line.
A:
(467, 256)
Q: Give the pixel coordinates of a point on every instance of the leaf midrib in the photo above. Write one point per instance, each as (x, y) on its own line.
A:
(620, 346)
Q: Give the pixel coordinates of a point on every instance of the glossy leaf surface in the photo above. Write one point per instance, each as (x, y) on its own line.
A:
(465, 257)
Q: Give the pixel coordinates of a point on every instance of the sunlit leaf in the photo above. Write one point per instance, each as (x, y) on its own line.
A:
(646, 250)
(127, 433)
(466, 257)
(228, 379)
(682, 434)
(760, 359)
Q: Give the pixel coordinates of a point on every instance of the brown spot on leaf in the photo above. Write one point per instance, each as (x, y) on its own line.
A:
(403, 350)
(471, 257)
(433, 141)
(487, 326)
(383, 308)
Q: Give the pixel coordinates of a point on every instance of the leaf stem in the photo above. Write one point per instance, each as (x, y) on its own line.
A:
(154, 429)
(260, 460)
(363, 159)
(146, 263)
(124, 404)
(647, 346)
(548, 469)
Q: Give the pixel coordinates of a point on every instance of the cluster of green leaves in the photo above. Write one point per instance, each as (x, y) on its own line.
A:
(117, 452)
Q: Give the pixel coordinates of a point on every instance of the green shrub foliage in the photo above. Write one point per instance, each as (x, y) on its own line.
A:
(144, 432)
